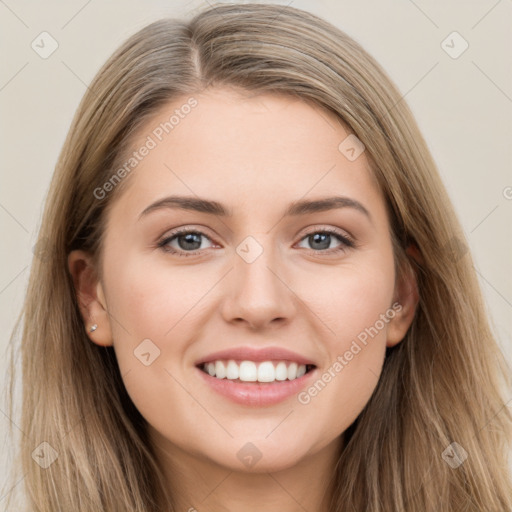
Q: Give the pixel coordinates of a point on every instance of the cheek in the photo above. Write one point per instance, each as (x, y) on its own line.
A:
(150, 299)
(355, 298)
(148, 302)
(153, 316)
(358, 312)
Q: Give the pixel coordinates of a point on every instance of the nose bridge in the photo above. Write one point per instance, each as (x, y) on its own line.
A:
(259, 294)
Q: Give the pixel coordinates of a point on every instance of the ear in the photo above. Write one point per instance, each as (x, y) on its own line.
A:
(407, 296)
(90, 297)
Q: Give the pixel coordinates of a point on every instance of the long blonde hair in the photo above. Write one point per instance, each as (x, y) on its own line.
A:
(442, 384)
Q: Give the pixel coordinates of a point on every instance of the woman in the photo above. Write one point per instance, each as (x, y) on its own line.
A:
(324, 345)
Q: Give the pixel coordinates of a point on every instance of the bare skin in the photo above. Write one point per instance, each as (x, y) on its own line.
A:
(255, 155)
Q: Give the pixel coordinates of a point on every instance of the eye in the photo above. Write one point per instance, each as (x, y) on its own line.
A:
(186, 242)
(321, 240)
(189, 242)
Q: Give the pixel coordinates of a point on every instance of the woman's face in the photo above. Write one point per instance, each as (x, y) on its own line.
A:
(268, 277)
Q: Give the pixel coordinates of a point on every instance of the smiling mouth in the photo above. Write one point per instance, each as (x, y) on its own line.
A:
(251, 371)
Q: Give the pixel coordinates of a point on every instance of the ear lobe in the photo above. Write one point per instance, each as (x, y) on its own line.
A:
(90, 297)
(407, 295)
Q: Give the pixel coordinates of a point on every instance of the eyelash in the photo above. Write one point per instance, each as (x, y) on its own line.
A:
(346, 242)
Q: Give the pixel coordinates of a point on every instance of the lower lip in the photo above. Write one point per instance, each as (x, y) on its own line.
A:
(256, 393)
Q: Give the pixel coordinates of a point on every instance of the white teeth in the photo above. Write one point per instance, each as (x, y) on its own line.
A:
(220, 369)
(249, 371)
(266, 372)
(292, 371)
(232, 370)
(281, 371)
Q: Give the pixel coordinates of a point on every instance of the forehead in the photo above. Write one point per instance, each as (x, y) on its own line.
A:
(230, 145)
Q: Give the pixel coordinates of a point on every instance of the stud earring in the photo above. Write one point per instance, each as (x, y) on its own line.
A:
(93, 328)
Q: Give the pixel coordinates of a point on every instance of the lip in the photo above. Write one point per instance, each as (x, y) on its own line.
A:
(256, 355)
(257, 394)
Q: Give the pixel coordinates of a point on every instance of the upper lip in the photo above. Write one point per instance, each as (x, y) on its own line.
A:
(256, 354)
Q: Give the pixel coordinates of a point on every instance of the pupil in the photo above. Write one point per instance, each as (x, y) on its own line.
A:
(189, 239)
(322, 238)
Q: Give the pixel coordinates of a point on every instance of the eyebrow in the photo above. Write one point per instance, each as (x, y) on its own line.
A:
(300, 207)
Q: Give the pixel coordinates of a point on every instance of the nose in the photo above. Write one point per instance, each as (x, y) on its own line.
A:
(258, 294)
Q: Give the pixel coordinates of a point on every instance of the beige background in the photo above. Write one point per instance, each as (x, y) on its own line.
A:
(462, 105)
